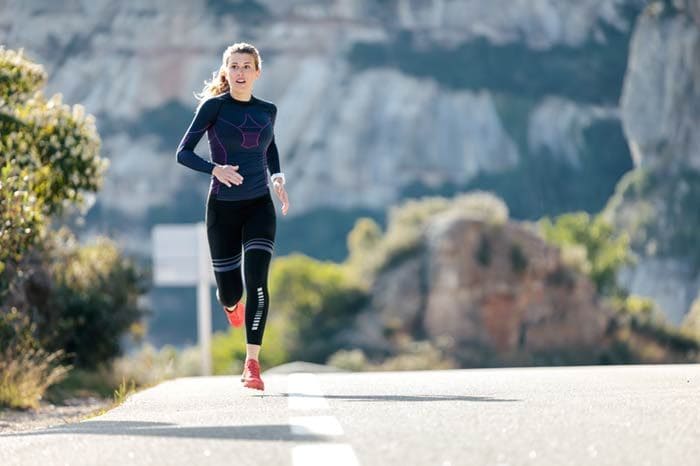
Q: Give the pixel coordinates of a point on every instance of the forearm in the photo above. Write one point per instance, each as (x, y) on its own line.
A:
(185, 154)
(191, 160)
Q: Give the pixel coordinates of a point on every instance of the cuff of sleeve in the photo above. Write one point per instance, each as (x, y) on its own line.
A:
(276, 176)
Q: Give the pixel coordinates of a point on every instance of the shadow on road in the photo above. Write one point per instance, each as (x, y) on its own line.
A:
(280, 432)
(404, 398)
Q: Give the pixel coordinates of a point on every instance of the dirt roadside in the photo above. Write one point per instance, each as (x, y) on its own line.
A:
(48, 415)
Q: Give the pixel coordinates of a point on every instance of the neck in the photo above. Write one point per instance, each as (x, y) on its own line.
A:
(242, 96)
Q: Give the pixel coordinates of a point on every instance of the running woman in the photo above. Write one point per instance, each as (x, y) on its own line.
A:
(240, 215)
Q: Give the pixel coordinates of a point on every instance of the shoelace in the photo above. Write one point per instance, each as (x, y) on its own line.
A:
(253, 369)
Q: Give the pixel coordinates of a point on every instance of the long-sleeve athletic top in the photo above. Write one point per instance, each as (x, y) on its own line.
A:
(239, 133)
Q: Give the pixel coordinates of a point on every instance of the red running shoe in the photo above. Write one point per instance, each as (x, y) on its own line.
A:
(235, 314)
(251, 375)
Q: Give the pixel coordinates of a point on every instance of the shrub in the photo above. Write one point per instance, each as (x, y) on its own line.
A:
(149, 366)
(229, 348)
(93, 301)
(79, 299)
(691, 322)
(26, 370)
(39, 133)
(605, 250)
(49, 156)
(317, 300)
(417, 356)
(21, 218)
(351, 360)
(371, 252)
(411, 356)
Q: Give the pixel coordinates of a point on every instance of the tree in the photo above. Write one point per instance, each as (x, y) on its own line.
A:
(49, 157)
(56, 296)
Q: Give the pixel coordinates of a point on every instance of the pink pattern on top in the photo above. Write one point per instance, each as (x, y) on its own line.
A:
(250, 130)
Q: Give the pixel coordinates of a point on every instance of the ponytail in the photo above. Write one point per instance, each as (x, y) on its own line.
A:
(218, 84)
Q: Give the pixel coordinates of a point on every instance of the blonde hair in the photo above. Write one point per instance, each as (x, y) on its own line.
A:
(218, 84)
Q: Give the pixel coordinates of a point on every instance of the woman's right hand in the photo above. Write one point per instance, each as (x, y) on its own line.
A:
(227, 174)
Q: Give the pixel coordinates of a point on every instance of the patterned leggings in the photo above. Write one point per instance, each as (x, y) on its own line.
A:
(241, 235)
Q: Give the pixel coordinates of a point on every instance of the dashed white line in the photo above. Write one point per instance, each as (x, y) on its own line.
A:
(304, 392)
(337, 454)
(316, 425)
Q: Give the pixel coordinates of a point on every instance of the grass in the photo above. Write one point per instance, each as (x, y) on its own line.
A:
(25, 377)
(119, 396)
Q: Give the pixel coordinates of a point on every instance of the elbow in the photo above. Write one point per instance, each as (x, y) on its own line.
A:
(180, 157)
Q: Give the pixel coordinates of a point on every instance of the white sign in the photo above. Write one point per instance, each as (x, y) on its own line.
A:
(181, 258)
(176, 255)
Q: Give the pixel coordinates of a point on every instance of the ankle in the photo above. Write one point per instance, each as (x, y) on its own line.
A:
(231, 308)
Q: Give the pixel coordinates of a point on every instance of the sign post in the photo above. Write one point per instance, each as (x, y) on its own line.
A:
(204, 299)
(181, 258)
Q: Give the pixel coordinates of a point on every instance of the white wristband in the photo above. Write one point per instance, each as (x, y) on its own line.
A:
(278, 175)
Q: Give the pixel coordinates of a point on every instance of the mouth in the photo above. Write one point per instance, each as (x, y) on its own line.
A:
(240, 81)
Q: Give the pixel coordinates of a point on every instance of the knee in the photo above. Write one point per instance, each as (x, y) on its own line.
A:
(229, 296)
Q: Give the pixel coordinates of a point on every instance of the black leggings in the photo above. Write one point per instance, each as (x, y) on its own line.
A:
(248, 225)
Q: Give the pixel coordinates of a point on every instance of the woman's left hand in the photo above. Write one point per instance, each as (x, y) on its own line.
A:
(282, 195)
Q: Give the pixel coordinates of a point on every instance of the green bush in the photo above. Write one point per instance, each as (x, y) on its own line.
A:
(659, 210)
(691, 322)
(26, 370)
(350, 360)
(49, 156)
(637, 307)
(149, 366)
(81, 298)
(371, 252)
(19, 77)
(318, 300)
(641, 317)
(37, 132)
(229, 348)
(605, 250)
(73, 299)
(412, 356)
(21, 218)
(93, 300)
(364, 242)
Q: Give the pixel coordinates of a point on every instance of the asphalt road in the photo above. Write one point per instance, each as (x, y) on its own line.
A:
(612, 415)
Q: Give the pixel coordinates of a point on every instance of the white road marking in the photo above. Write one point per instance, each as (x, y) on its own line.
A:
(305, 393)
(316, 425)
(337, 454)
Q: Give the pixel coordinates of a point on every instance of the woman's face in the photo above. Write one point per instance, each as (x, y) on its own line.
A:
(241, 73)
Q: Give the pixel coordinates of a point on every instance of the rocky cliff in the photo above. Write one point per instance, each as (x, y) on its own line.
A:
(490, 287)
(658, 202)
(378, 100)
(535, 100)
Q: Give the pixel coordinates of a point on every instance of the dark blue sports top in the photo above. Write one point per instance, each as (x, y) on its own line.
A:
(239, 133)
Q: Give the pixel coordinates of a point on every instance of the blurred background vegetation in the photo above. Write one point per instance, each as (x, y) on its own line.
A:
(63, 304)
(74, 313)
